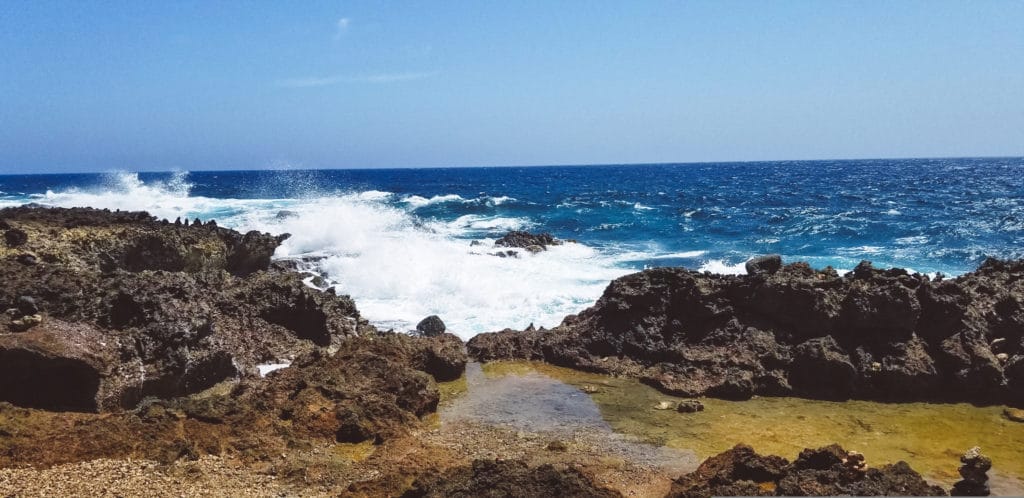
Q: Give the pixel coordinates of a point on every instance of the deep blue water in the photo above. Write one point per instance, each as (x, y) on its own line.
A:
(930, 215)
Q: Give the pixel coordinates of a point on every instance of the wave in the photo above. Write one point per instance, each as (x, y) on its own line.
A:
(397, 266)
(723, 268)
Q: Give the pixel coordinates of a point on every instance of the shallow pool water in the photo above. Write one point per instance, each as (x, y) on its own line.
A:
(930, 437)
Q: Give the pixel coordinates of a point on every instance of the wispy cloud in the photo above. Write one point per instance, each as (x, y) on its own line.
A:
(335, 79)
(341, 27)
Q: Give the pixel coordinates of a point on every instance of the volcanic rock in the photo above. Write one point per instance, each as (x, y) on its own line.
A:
(764, 264)
(690, 406)
(526, 240)
(431, 326)
(510, 479)
(179, 309)
(821, 472)
(870, 334)
(974, 469)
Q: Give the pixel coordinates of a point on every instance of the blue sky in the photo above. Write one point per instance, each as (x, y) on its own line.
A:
(94, 86)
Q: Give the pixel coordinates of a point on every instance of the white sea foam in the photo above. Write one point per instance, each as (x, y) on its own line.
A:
(417, 201)
(722, 268)
(397, 266)
(679, 255)
(266, 368)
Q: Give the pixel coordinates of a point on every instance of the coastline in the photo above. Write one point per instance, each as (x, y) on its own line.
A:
(354, 403)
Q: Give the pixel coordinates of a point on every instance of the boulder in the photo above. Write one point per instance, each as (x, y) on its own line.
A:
(764, 264)
(431, 326)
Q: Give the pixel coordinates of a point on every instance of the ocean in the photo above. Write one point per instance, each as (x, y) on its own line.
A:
(398, 240)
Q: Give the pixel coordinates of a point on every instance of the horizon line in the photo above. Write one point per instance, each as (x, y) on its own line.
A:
(500, 166)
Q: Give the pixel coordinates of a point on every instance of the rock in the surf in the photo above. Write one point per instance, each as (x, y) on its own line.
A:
(431, 326)
(523, 239)
(764, 264)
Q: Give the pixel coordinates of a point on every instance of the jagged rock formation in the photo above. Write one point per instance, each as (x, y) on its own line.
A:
(821, 472)
(130, 307)
(526, 240)
(375, 387)
(509, 479)
(879, 334)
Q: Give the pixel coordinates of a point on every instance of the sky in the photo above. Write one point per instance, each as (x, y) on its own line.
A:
(99, 86)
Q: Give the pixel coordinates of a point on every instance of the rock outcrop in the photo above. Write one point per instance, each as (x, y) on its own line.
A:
(431, 326)
(510, 479)
(873, 334)
(129, 307)
(370, 390)
(821, 472)
(533, 242)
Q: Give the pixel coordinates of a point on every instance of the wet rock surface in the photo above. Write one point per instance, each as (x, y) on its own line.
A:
(871, 334)
(974, 470)
(532, 242)
(821, 472)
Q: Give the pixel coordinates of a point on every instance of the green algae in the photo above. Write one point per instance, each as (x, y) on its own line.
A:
(929, 436)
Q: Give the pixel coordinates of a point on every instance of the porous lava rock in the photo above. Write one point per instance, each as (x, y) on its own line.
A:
(869, 334)
(816, 472)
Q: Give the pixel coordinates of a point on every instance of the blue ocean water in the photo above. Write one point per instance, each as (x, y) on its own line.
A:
(398, 240)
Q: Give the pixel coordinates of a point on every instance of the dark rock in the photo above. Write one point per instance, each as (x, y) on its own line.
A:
(176, 331)
(690, 406)
(26, 305)
(871, 334)
(821, 368)
(764, 264)
(253, 252)
(475, 243)
(15, 237)
(508, 479)
(285, 214)
(974, 467)
(526, 239)
(431, 326)
(27, 259)
(822, 472)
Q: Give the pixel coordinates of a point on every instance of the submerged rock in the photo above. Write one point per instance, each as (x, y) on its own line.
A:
(690, 406)
(871, 334)
(821, 472)
(1014, 414)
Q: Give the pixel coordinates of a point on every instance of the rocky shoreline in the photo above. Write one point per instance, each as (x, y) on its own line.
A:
(131, 350)
(795, 331)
